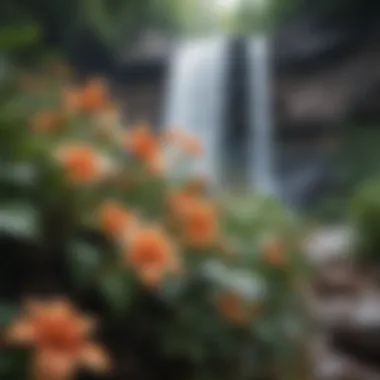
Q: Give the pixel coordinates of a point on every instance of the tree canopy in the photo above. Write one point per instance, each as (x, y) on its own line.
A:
(34, 25)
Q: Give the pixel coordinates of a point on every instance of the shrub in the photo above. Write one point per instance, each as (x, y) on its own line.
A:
(365, 215)
(107, 217)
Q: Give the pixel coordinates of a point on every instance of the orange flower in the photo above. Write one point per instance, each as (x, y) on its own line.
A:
(82, 163)
(60, 69)
(142, 143)
(196, 185)
(151, 253)
(92, 97)
(114, 219)
(155, 164)
(189, 144)
(179, 201)
(199, 223)
(46, 121)
(61, 337)
(232, 308)
(72, 99)
(107, 122)
(274, 253)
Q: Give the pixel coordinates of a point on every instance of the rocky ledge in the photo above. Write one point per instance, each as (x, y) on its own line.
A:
(345, 305)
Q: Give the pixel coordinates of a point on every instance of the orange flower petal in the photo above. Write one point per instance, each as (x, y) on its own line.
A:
(46, 121)
(71, 99)
(57, 324)
(149, 246)
(60, 306)
(192, 147)
(196, 185)
(114, 219)
(179, 201)
(95, 96)
(274, 254)
(232, 308)
(155, 164)
(33, 306)
(82, 163)
(20, 332)
(152, 254)
(189, 144)
(151, 276)
(141, 142)
(199, 224)
(53, 365)
(86, 325)
(94, 357)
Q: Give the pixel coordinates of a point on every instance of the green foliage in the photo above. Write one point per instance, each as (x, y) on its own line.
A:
(365, 214)
(7, 314)
(19, 220)
(359, 155)
(115, 288)
(356, 162)
(17, 37)
(85, 261)
(183, 316)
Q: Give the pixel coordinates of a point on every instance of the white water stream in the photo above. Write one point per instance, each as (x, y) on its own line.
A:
(196, 98)
(261, 143)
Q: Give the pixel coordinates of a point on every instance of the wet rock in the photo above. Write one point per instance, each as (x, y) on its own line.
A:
(361, 344)
(330, 243)
(352, 321)
(337, 278)
(329, 313)
(330, 364)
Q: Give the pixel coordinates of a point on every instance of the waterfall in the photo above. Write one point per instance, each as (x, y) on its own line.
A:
(196, 98)
(261, 170)
(306, 174)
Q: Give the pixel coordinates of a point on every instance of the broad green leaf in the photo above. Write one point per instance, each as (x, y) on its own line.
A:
(116, 292)
(85, 261)
(14, 37)
(173, 289)
(7, 364)
(19, 174)
(7, 314)
(19, 220)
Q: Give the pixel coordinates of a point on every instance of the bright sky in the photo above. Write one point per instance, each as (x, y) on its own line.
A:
(227, 4)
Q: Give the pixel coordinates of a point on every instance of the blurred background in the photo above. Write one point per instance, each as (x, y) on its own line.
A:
(320, 68)
(283, 94)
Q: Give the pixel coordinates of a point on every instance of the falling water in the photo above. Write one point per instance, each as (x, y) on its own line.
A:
(197, 90)
(261, 171)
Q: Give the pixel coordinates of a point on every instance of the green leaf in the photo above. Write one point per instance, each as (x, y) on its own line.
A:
(172, 289)
(17, 36)
(14, 364)
(19, 174)
(6, 365)
(181, 342)
(7, 314)
(116, 292)
(19, 220)
(85, 261)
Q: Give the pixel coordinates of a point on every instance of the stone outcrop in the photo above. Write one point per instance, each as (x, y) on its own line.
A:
(345, 305)
(328, 65)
